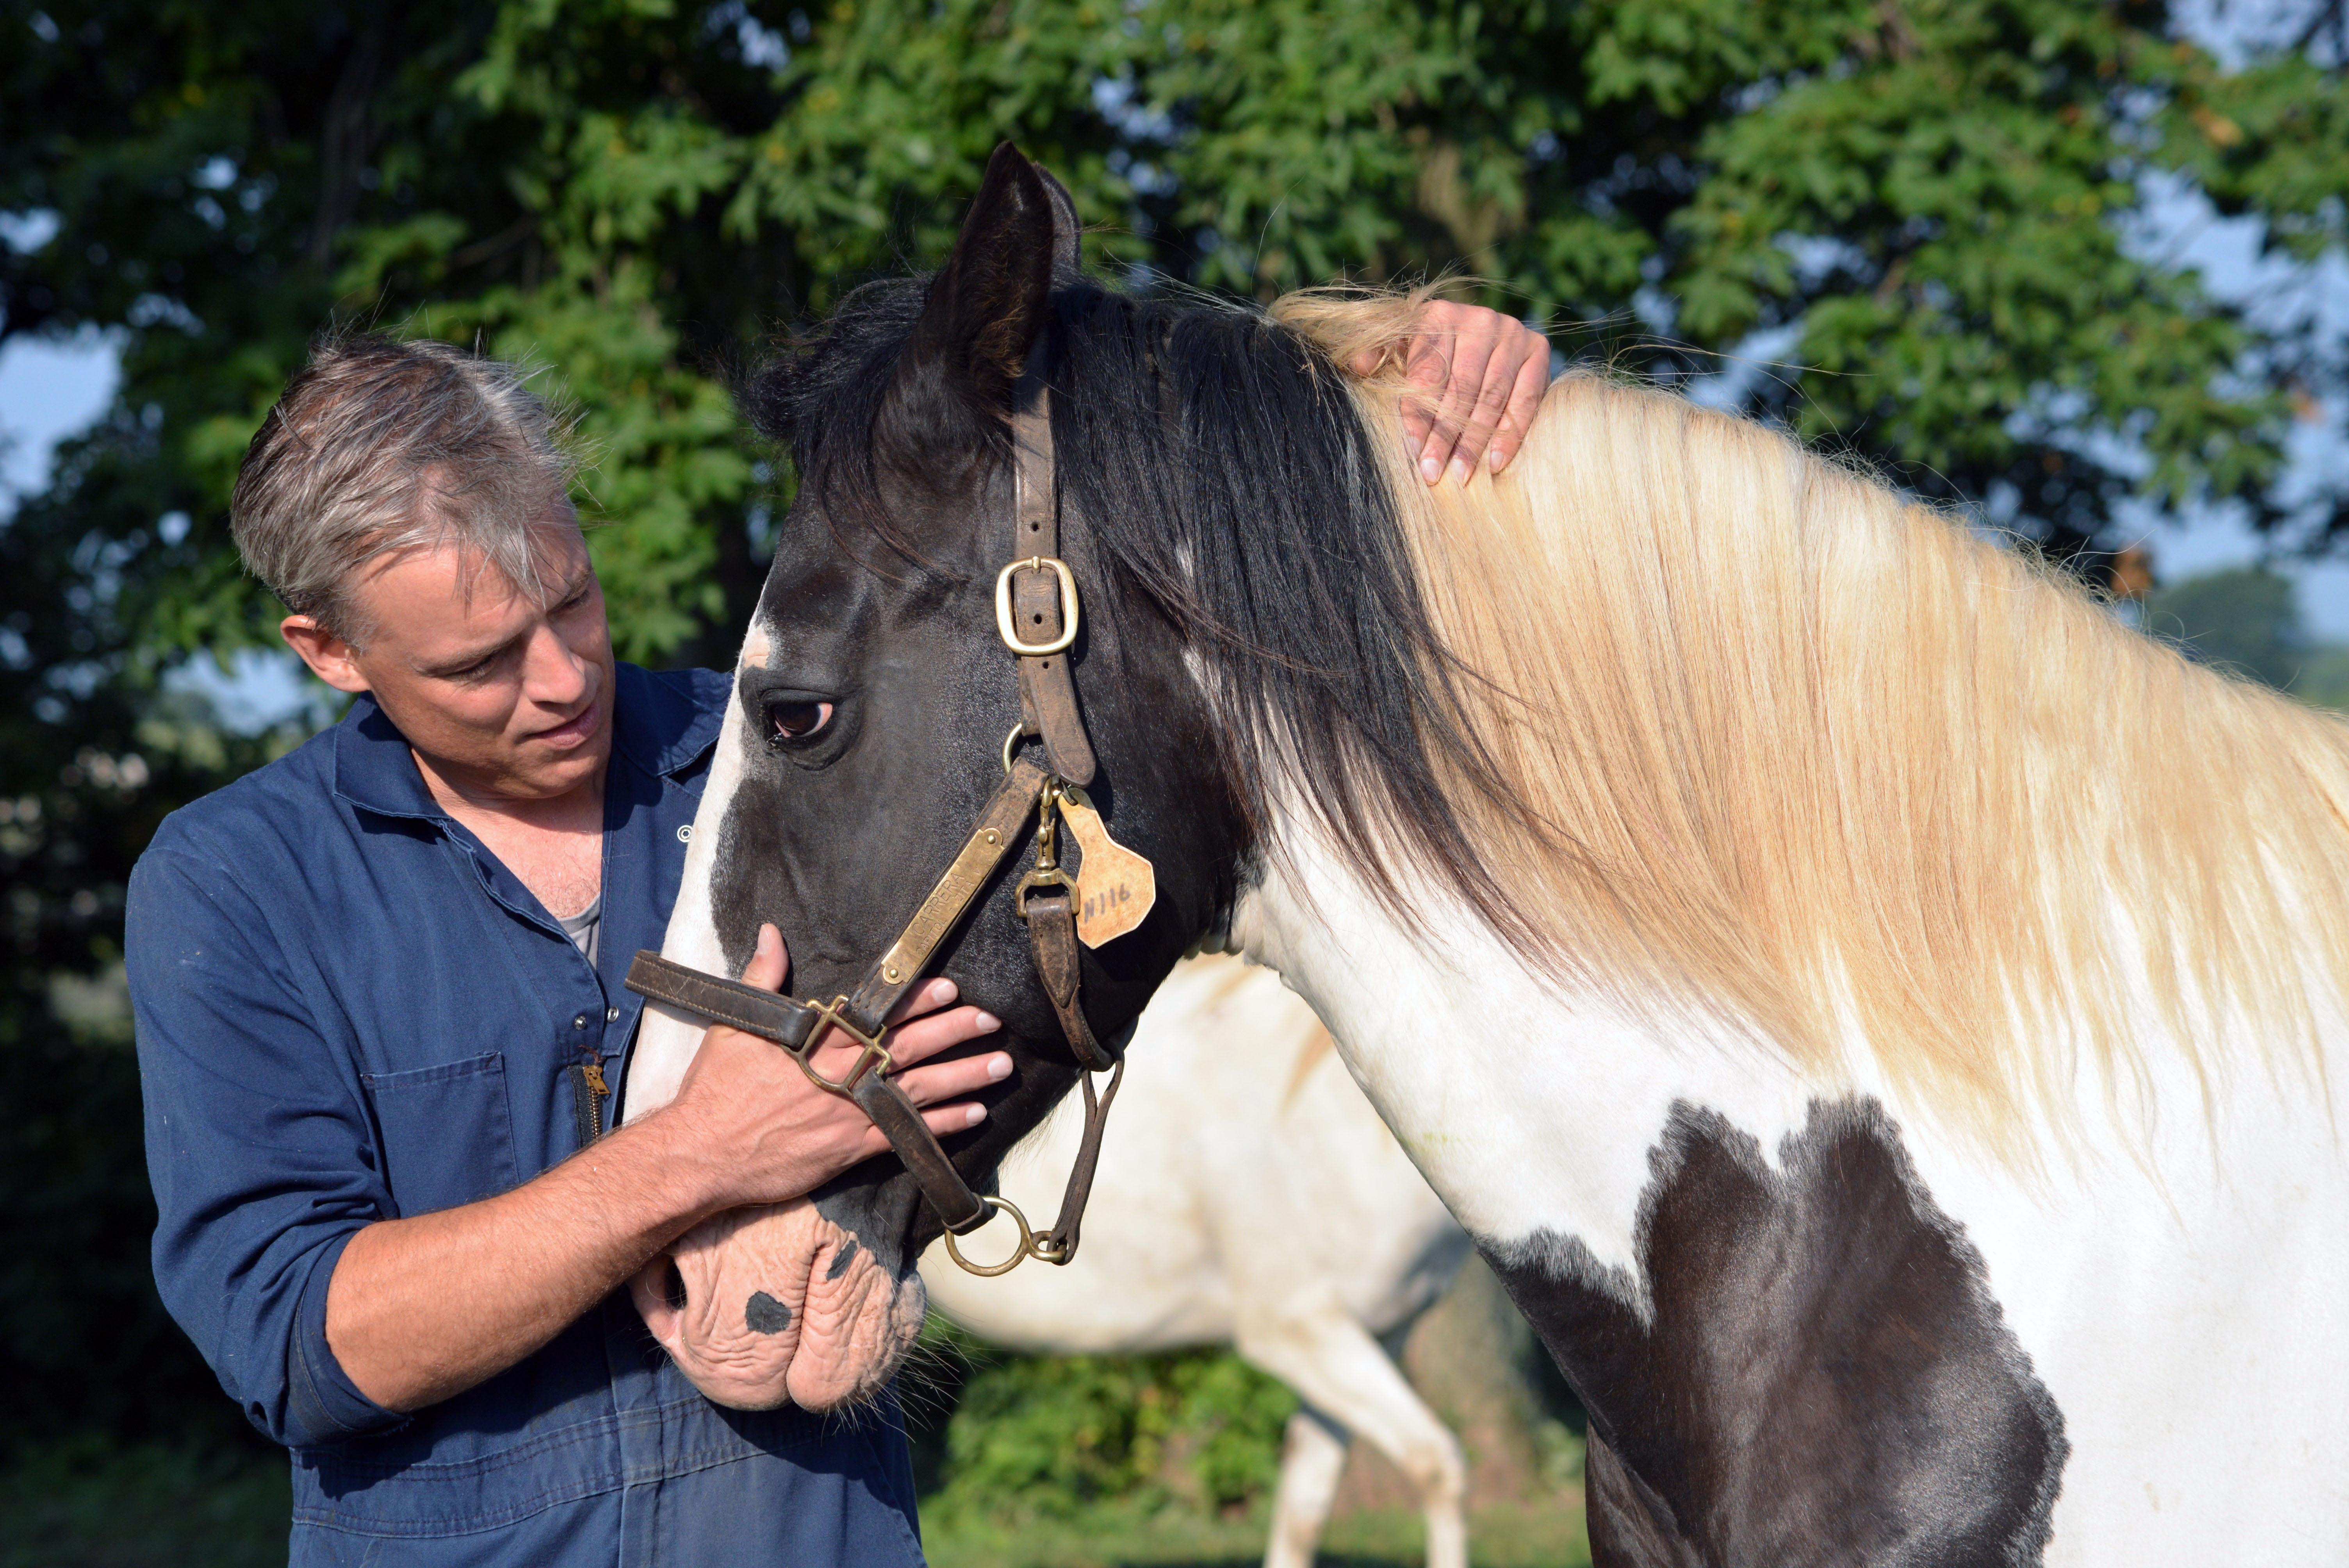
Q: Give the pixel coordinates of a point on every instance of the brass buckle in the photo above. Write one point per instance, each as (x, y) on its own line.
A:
(1009, 632)
(871, 1055)
(1026, 1249)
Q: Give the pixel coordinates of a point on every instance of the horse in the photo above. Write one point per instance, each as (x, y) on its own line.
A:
(1251, 1197)
(1875, 1012)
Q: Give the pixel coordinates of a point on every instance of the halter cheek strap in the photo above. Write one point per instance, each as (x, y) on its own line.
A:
(1036, 609)
(1041, 629)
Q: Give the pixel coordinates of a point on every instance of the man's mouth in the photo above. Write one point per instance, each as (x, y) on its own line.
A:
(571, 731)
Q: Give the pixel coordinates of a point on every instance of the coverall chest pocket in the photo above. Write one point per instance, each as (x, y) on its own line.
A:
(447, 1134)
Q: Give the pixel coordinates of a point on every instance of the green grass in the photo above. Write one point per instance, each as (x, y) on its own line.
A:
(1113, 1535)
(166, 1508)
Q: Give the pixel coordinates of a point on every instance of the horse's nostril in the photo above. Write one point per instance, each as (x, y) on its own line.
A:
(675, 1289)
(765, 1314)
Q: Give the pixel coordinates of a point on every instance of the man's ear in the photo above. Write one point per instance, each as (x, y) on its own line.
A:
(988, 304)
(327, 655)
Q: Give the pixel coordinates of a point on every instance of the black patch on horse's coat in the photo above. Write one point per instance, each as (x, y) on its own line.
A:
(1810, 1369)
(842, 1259)
(765, 1314)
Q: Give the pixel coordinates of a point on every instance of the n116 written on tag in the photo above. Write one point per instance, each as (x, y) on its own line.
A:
(1116, 887)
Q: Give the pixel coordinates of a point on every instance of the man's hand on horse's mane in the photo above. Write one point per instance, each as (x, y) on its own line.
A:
(1483, 376)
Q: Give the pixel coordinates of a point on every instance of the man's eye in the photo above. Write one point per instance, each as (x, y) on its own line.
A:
(793, 719)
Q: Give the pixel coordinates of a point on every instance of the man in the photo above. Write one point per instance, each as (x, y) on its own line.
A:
(378, 987)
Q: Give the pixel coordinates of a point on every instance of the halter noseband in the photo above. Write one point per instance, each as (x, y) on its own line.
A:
(1037, 595)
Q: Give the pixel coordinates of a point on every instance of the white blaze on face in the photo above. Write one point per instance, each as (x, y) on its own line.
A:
(766, 1305)
(667, 1038)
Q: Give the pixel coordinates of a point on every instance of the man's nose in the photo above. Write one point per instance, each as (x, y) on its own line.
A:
(551, 673)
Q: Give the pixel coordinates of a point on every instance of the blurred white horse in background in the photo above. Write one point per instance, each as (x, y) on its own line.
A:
(1248, 1195)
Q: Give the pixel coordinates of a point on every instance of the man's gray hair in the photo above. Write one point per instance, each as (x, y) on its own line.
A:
(380, 445)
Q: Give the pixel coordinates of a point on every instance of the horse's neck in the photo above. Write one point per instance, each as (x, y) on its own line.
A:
(1533, 1114)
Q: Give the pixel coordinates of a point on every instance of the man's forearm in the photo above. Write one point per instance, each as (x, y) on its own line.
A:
(423, 1308)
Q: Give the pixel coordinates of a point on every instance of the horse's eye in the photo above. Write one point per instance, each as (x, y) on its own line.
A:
(794, 719)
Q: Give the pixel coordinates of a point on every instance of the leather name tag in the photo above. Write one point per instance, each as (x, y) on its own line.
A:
(1116, 887)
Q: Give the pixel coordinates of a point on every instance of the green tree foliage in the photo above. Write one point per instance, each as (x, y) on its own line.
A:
(87, 769)
(1047, 1436)
(1932, 195)
(635, 193)
(2247, 620)
(2243, 619)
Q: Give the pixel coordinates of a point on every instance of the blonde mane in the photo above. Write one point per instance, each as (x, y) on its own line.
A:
(1824, 764)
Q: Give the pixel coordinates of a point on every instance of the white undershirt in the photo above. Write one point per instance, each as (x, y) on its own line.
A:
(583, 927)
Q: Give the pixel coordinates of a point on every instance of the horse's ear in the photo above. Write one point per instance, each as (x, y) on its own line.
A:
(988, 302)
(1068, 256)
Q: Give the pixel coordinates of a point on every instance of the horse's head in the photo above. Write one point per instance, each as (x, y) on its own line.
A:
(866, 734)
(1248, 620)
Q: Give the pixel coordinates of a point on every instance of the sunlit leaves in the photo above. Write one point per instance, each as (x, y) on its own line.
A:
(1936, 195)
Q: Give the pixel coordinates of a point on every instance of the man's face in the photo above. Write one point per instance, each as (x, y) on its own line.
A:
(497, 694)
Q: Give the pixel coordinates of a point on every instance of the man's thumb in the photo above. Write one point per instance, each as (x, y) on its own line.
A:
(769, 963)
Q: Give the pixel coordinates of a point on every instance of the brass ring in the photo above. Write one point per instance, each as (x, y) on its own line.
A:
(1012, 743)
(1026, 1242)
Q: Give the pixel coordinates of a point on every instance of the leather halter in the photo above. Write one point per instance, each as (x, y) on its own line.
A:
(1035, 615)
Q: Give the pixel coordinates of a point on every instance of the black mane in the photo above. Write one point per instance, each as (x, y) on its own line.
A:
(1228, 482)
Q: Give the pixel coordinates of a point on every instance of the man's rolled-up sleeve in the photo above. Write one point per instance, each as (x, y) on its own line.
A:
(259, 1145)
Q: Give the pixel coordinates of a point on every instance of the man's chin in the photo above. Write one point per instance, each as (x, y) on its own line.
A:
(548, 771)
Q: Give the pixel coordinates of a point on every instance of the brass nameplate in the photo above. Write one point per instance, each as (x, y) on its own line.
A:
(980, 857)
(1116, 887)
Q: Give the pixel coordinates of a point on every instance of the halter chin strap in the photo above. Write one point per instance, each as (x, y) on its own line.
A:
(1036, 614)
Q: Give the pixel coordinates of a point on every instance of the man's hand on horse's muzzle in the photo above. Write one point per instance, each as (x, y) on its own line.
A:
(771, 1134)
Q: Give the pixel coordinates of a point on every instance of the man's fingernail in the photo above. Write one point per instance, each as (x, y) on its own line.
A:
(974, 1116)
(988, 1023)
(999, 1068)
(1430, 469)
(1460, 470)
